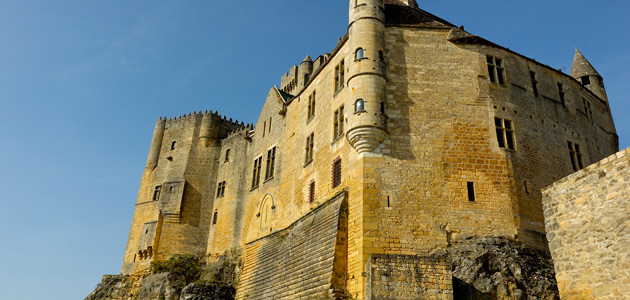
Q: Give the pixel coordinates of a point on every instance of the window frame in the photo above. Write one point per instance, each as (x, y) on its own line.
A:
(310, 145)
(504, 129)
(256, 172)
(496, 69)
(576, 156)
(271, 161)
(336, 173)
(338, 120)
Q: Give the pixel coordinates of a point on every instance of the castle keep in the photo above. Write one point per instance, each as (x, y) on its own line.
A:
(409, 134)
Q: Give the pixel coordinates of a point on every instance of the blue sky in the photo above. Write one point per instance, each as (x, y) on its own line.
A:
(83, 82)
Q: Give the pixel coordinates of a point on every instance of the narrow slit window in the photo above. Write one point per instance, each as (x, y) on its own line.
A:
(215, 217)
(173, 145)
(471, 191)
(227, 155)
(256, 172)
(338, 119)
(588, 111)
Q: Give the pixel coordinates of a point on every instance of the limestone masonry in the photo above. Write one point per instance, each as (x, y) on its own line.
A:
(588, 227)
(411, 134)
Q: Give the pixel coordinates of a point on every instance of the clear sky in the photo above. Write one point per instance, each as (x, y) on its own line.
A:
(83, 82)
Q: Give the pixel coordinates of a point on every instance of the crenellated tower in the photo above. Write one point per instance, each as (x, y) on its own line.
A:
(366, 78)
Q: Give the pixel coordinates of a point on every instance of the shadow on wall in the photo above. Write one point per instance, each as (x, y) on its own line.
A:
(465, 291)
(399, 127)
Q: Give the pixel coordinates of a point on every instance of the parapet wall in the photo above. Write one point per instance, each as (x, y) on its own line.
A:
(588, 229)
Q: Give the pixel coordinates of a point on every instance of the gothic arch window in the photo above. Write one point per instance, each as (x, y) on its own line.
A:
(359, 106)
(358, 54)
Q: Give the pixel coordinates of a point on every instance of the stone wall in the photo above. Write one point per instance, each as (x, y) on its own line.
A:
(393, 277)
(300, 262)
(588, 228)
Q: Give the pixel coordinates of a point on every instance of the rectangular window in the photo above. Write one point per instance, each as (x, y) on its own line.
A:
(588, 110)
(336, 173)
(495, 69)
(221, 189)
(271, 160)
(575, 154)
(227, 155)
(505, 133)
(339, 76)
(338, 123)
(471, 191)
(156, 192)
(311, 192)
(214, 218)
(532, 75)
(585, 80)
(173, 145)
(561, 94)
(311, 106)
(256, 172)
(308, 154)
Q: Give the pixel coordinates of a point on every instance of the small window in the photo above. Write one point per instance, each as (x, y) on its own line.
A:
(308, 154)
(173, 145)
(382, 107)
(336, 173)
(156, 192)
(505, 133)
(358, 54)
(311, 192)
(256, 172)
(311, 106)
(339, 76)
(586, 80)
(221, 189)
(561, 94)
(471, 191)
(214, 218)
(359, 106)
(381, 56)
(588, 111)
(227, 155)
(495, 69)
(338, 123)
(359, 2)
(532, 75)
(271, 160)
(575, 154)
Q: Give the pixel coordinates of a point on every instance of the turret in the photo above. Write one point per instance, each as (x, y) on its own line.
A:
(304, 72)
(583, 71)
(156, 144)
(366, 75)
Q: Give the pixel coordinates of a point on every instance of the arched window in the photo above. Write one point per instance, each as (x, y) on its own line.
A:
(359, 105)
(358, 54)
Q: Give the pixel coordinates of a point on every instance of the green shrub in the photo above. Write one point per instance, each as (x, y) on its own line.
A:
(188, 267)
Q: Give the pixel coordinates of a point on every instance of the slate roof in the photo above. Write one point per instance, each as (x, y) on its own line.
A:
(397, 13)
(581, 66)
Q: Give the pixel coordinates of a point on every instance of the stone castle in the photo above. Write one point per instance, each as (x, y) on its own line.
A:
(410, 134)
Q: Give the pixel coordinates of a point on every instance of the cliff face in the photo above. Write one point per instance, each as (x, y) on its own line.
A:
(497, 268)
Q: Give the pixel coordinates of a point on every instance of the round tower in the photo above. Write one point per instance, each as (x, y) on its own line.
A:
(585, 73)
(366, 75)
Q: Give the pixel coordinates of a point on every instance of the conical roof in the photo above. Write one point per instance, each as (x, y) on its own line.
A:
(307, 59)
(581, 66)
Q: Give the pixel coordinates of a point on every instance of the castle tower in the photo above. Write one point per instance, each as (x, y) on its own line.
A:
(366, 79)
(585, 73)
